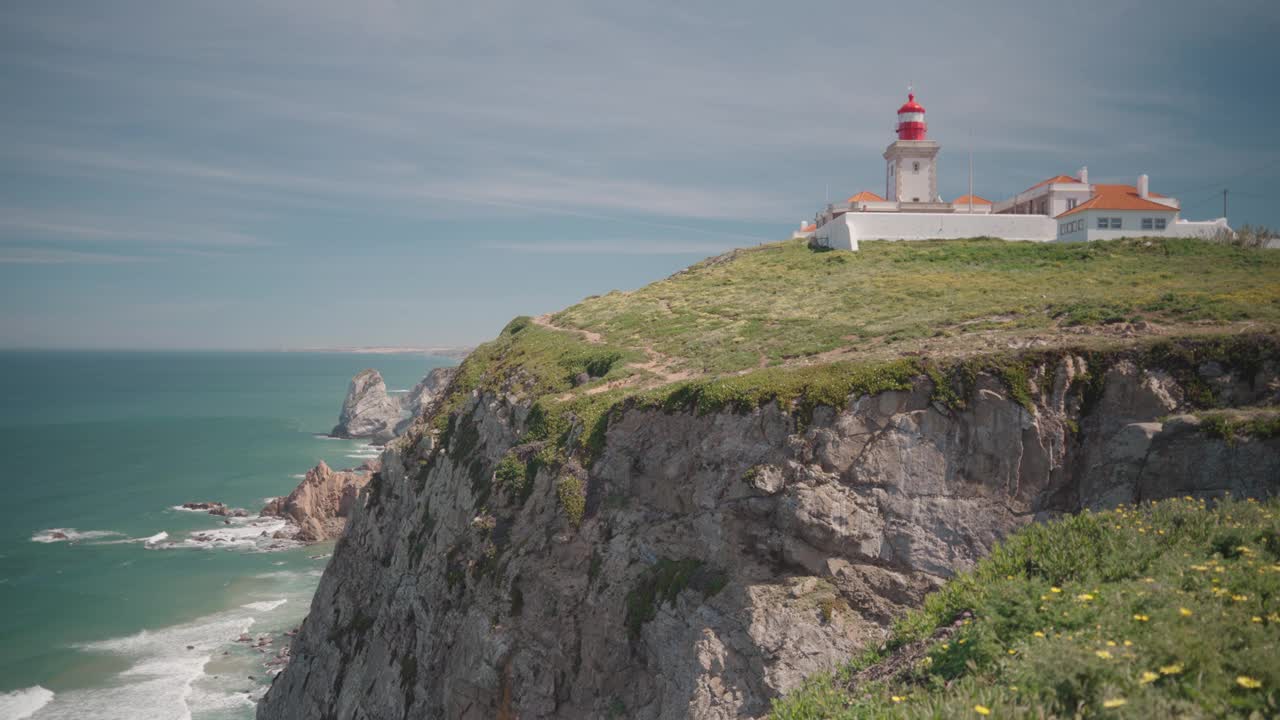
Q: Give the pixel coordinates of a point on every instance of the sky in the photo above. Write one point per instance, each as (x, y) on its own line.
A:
(273, 174)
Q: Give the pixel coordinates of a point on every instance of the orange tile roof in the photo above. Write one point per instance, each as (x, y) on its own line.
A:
(964, 200)
(809, 228)
(1117, 197)
(866, 196)
(1054, 179)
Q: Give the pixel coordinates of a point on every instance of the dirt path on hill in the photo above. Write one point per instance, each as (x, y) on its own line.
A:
(656, 370)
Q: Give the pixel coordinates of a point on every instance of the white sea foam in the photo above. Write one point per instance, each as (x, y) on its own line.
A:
(158, 683)
(252, 534)
(53, 535)
(179, 508)
(155, 539)
(23, 703)
(265, 605)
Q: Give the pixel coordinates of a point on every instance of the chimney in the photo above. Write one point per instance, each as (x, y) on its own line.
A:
(1083, 175)
(1142, 187)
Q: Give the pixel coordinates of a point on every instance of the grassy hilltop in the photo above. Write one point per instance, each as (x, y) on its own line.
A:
(786, 323)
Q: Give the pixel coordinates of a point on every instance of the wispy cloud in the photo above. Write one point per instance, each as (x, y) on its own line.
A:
(614, 247)
(50, 256)
(69, 224)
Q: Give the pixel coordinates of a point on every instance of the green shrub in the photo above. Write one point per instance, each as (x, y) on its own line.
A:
(662, 584)
(573, 498)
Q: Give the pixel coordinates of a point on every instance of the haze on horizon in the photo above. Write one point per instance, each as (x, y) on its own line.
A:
(289, 174)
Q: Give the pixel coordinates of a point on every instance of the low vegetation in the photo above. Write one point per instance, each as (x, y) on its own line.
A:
(663, 583)
(776, 303)
(1164, 610)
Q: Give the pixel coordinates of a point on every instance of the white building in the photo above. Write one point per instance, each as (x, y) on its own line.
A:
(1062, 208)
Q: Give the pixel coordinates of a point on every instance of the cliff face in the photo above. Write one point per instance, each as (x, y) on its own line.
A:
(705, 563)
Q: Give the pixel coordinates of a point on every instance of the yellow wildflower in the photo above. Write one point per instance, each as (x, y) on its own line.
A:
(1148, 677)
(1247, 682)
(1256, 619)
(1055, 589)
(982, 709)
(897, 698)
(1084, 597)
(1185, 612)
(1174, 669)
(1111, 643)
(1113, 703)
(1239, 598)
(1141, 618)
(1128, 643)
(1040, 634)
(1012, 651)
(1102, 654)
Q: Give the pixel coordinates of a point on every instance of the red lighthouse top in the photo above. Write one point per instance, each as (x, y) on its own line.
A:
(911, 124)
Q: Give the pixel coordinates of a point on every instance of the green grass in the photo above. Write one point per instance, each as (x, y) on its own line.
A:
(1232, 425)
(784, 301)
(1167, 610)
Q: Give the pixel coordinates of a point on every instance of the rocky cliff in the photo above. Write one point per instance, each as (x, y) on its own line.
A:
(691, 559)
(321, 504)
(422, 398)
(367, 411)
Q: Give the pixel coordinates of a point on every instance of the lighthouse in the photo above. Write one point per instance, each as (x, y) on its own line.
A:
(911, 161)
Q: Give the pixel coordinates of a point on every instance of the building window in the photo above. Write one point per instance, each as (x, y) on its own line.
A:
(1115, 223)
(1104, 223)
(1147, 224)
(915, 199)
(1071, 203)
(1160, 223)
(915, 167)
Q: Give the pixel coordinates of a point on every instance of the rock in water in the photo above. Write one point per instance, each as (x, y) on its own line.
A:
(368, 412)
(323, 501)
(425, 394)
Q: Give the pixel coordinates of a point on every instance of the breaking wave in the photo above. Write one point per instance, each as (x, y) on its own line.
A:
(53, 535)
(24, 703)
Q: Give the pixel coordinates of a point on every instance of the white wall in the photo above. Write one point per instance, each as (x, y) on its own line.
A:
(915, 184)
(844, 232)
(1131, 224)
(1061, 192)
(1204, 229)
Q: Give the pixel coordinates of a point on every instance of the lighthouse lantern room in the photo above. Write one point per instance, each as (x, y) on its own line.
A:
(911, 169)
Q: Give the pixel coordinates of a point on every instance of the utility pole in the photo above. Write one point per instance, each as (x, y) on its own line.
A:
(970, 172)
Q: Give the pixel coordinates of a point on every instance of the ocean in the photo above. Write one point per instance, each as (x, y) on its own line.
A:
(108, 607)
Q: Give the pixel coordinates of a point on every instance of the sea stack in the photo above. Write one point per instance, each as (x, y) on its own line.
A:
(322, 502)
(368, 412)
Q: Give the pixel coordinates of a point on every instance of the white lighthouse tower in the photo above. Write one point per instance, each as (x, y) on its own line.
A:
(911, 161)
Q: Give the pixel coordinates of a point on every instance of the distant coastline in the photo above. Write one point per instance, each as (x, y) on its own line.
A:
(454, 352)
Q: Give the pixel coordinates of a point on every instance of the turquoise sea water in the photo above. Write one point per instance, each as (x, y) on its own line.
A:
(100, 447)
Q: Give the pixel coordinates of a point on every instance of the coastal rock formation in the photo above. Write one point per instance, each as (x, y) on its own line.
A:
(699, 564)
(367, 411)
(323, 501)
(422, 397)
